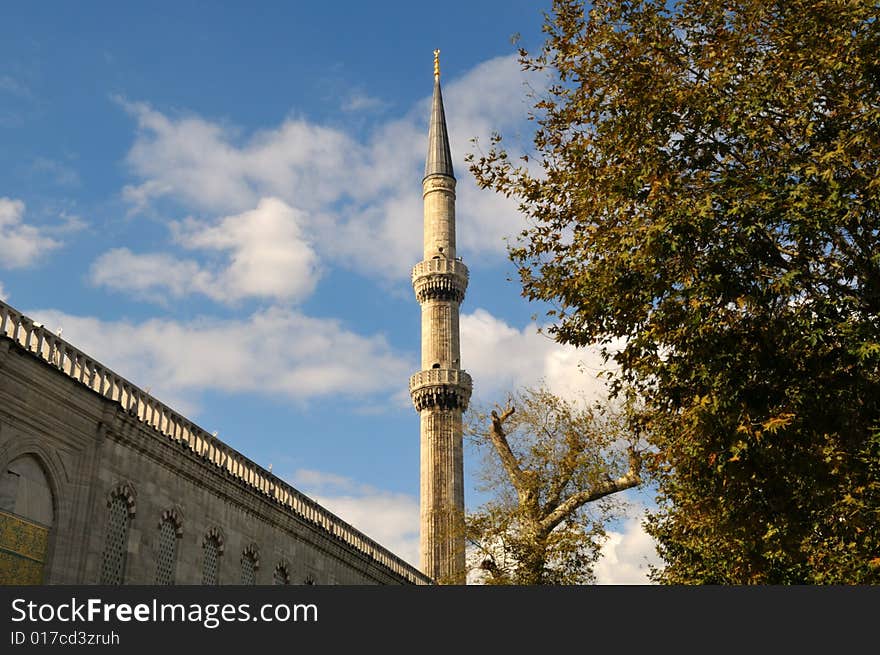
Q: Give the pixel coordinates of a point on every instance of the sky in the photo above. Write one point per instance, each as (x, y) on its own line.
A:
(221, 201)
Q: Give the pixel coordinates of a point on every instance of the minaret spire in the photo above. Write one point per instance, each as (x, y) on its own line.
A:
(439, 159)
(441, 390)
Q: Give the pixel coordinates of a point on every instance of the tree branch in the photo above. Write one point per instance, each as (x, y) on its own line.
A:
(631, 479)
(508, 459)
(567, 468)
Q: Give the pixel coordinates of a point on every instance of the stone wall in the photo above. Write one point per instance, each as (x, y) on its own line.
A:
(92, 448)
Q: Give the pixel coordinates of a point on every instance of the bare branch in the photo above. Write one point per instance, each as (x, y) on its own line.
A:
(567, 468)
(508, 459)
(631, 479)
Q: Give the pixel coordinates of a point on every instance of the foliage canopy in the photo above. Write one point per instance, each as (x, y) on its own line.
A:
(705, 186)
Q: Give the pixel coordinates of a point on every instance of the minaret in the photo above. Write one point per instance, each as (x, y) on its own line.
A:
(441, 390)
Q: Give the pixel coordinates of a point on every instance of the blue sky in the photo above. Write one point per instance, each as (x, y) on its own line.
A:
(222, 202)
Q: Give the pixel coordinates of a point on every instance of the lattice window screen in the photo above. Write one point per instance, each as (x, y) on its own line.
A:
(248, 569)
(211, 562)
(116, 545)
(167, 556)
(281, 576)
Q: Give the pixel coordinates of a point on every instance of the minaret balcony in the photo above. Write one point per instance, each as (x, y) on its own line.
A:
(440, 279)
(442, 388)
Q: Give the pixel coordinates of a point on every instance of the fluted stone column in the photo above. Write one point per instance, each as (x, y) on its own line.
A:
(441, 390)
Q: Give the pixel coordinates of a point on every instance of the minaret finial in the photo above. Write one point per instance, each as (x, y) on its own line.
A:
(436, 64)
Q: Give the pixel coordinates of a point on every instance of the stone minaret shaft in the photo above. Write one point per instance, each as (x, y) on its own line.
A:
(441, 390)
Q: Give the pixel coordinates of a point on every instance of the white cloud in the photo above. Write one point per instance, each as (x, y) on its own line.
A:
(70, 223)
(62, 174)
(391, 519)
(21, 244)
(360, 101)
(3, 294)
(275, 351)
(139, 196)
(501, 358)
(268, 257)
(627, 555)
(203, 165)
(362, 195)
(150, 275)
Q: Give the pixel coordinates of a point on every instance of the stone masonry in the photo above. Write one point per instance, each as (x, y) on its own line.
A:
(441, 390)
(79, 442)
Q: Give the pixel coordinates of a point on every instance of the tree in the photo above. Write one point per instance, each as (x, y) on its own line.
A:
(551, 467)
(704, 185)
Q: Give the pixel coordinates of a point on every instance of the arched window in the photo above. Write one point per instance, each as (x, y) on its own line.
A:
(250, 562)
(212, 548)
(26, 516)
(166, 554)
(25, 491)
(282, 574)
(121, 510)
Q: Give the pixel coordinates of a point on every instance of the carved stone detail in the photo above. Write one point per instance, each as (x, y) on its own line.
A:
(124, 490)
(440, 279)
(438, 183)
(440, 388)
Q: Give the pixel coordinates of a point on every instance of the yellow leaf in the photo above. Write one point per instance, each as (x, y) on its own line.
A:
(775, 423)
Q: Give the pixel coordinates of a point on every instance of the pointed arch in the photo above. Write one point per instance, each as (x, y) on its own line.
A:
(125, 491)
(213, 544)
(122, 507)
(250, 564)
(50, 464)
(27, 514)
(170, 532)
(281, 575)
